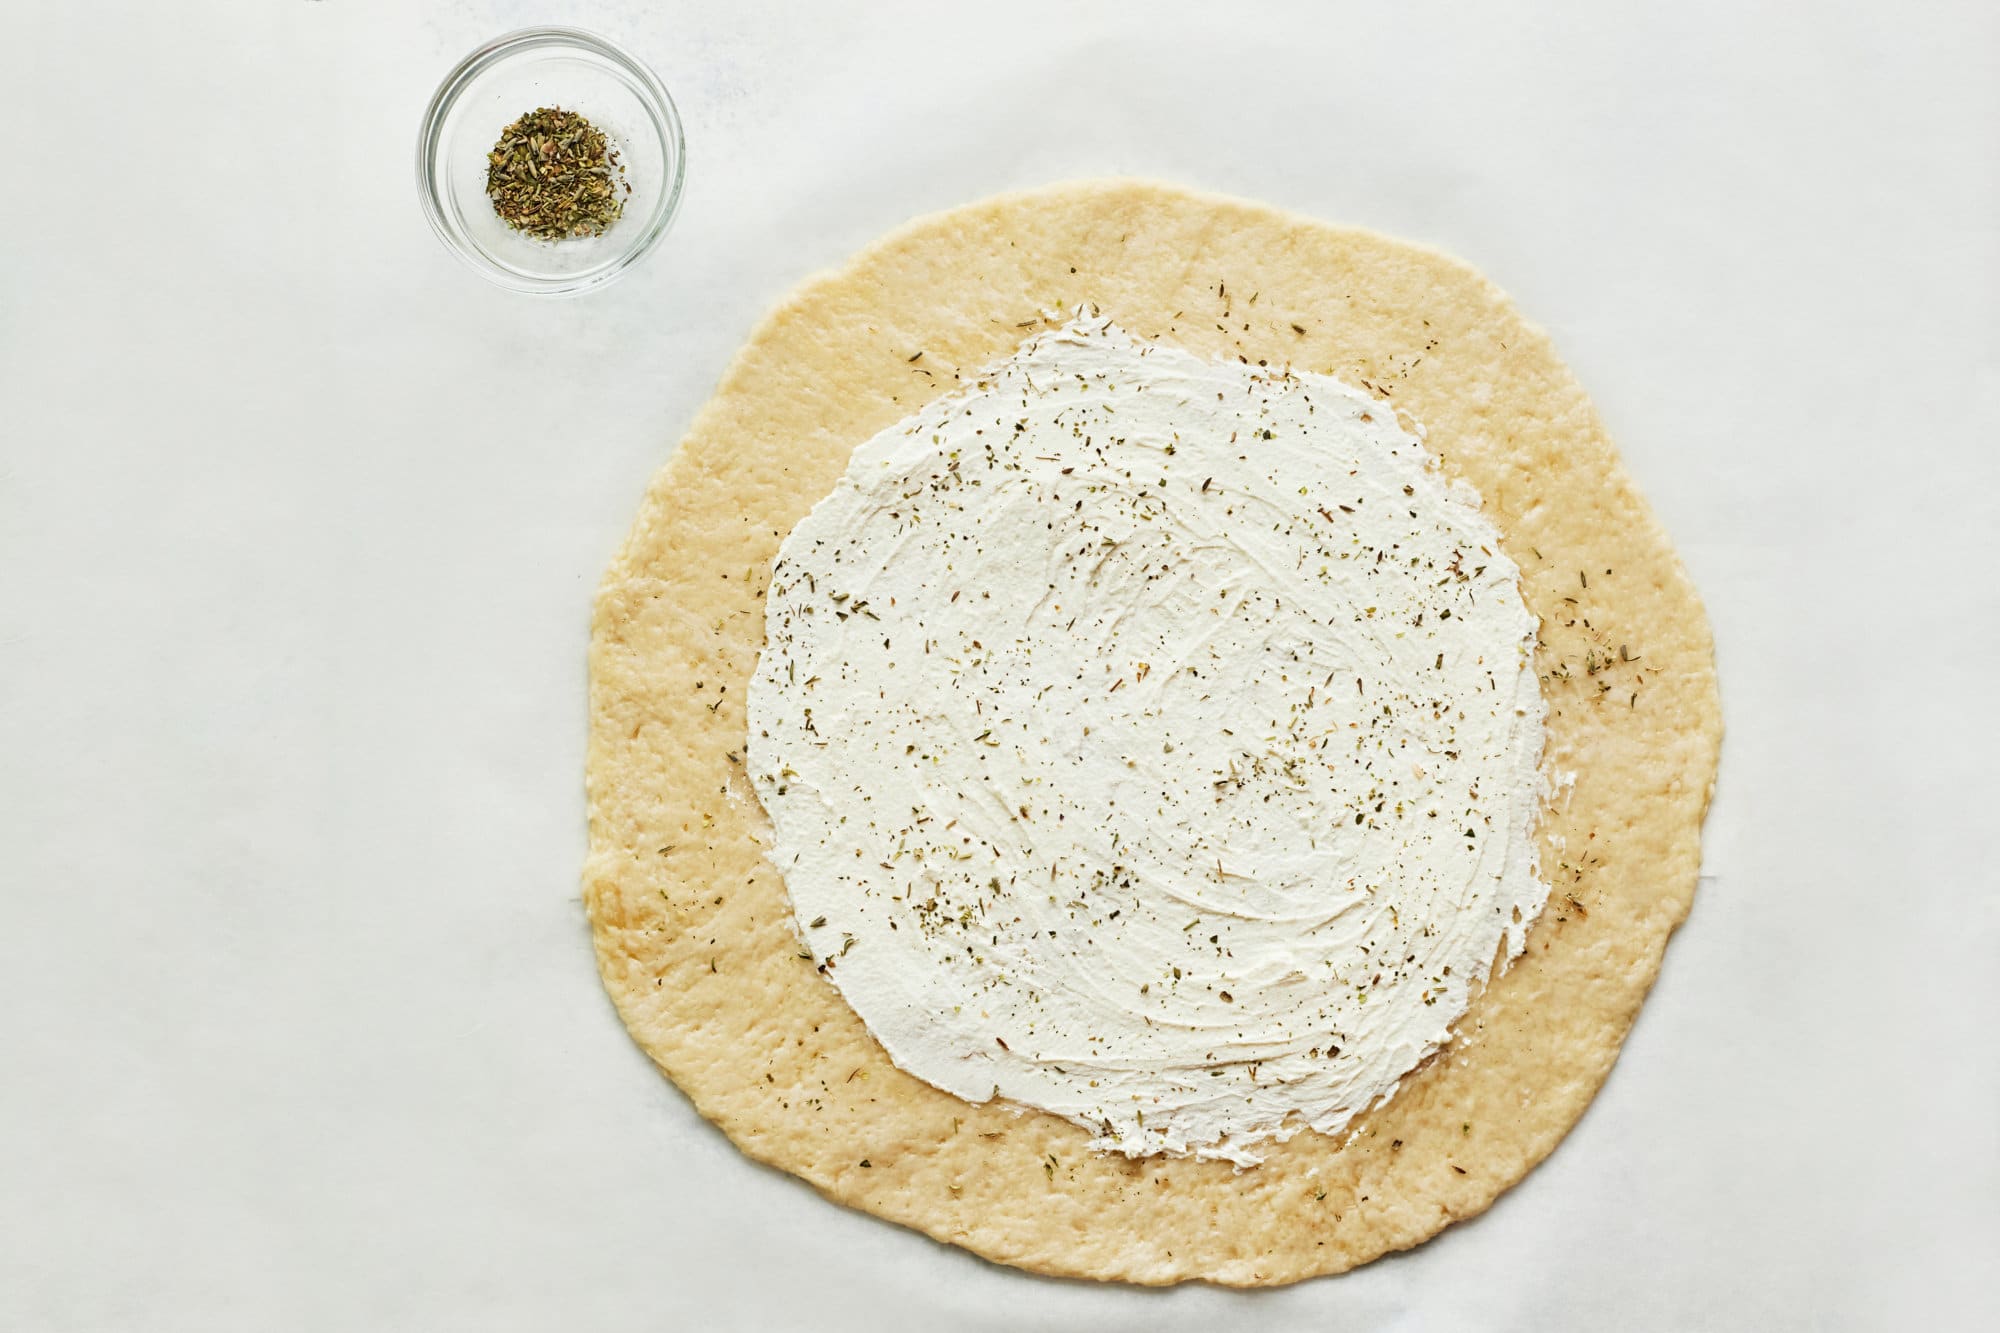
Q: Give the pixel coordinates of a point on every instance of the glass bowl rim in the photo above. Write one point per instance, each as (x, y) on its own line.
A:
(652, 92)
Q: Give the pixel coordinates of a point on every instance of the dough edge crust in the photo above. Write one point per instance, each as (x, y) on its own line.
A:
(692, 927)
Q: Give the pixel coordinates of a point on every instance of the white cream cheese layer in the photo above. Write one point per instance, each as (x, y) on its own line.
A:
(1153, 741)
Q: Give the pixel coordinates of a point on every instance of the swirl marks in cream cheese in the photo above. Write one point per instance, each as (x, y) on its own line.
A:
(1152, 741)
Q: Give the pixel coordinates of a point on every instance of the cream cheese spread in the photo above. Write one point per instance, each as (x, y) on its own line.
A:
(1153, 741)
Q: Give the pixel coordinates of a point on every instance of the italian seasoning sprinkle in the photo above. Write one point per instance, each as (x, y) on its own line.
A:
(554, 175)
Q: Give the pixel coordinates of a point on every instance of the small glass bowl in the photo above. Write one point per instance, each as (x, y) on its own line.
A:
(505, 79)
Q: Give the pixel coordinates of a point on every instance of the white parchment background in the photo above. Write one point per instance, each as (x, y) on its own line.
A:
(299, 523)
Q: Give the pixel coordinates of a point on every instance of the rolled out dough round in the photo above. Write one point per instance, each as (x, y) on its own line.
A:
(692, 925)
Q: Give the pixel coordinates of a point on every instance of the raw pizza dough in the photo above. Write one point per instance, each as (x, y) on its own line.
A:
(692, 926)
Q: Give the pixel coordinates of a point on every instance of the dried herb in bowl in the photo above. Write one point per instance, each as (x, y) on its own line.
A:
(554, 175)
